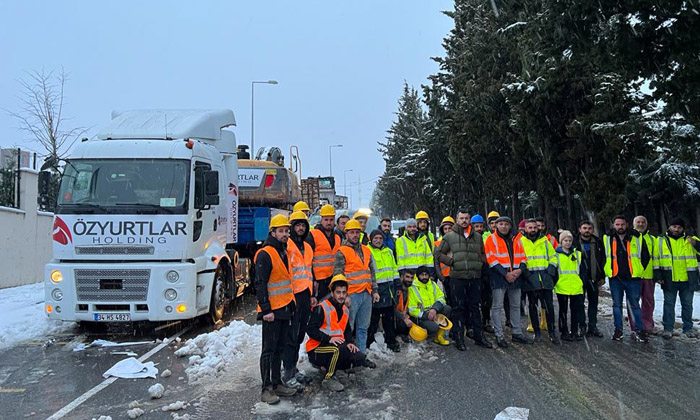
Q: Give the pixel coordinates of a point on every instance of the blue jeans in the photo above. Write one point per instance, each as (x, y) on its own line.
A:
(360, 315)
(681, 288)
(631, 288)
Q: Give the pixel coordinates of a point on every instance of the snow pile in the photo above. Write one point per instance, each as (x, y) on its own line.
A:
(213, 352)
(24, 317)
(156, 391)
(513, 413)
(177, 405)
(135, 412)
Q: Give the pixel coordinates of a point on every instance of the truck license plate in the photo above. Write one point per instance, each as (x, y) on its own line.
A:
(112, 317)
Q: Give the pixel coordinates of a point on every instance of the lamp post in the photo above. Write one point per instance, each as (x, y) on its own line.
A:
(330, 158)
(252, 112)
(345, 182)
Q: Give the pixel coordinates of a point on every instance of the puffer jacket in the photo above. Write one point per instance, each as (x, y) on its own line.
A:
(464, 256)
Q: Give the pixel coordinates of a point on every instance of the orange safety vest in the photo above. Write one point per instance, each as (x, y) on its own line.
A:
(332, 326)
(553, 240)
(301, 266)
(402, 305)
(279, 285)
(614, 257)
(444, 269)
(324, 256)
(497, 252)
(357, 271)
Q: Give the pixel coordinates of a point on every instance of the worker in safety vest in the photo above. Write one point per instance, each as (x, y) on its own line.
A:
(300, 259)
(412, 250)
(506, 258)
(388, 283)
(676, 268)
(542, 227)
(403, 322)
(340, 225)
(443, 270)
(591, 272)
(478, 227)
(389, 242)
(569, 288)
(330, 343)
(539, 279)
(276, 306)
(302, 207)
(362, 217)
(355, 262)
(425, 303)
(646, 277)
(625, 260)
(424, 228)
(325, 243)
(491, 220)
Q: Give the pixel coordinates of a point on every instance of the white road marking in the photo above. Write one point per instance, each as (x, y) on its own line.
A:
(107, 382)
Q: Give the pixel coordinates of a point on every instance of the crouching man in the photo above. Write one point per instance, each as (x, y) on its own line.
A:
(425, 302)
(330, 338)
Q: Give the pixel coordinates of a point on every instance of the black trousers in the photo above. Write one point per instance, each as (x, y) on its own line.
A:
(590, 290)
(546, 297)
(333, 358)
(448, 290)
(575, 303)
(486, 300)
(400, 327)
(466, 297)
(274, 338)
(297, 330)
(387, 316)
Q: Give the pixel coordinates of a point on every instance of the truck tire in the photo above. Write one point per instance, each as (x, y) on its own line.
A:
(219, 301)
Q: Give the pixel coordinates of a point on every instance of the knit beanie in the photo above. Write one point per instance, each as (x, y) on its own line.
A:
(677, 221)
(565, 234)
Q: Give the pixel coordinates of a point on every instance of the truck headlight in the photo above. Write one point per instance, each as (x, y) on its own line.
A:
(172, 276)
(56, 276)
(170, 294)
(57, 294)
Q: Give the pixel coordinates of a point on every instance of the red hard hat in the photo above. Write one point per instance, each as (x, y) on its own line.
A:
(522, 224)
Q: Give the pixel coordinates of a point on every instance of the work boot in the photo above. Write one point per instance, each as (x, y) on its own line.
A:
(594, 332)
(641, 336)
(529, 326)
(690, 334)
(290, 380)
(440, 338)
(543, 321)
(394, 347)
(617, 336)
(667, 335)
(489, 329)
(554, 339)
(577, 336)
(302, 378)
(369, 364)
(282, 390)
(501, 342)
(460, 345)
(332, 384)
(521, 338)
(269, 397)
(482, 342)
(538, 336)
(470, 333)
(565, 336)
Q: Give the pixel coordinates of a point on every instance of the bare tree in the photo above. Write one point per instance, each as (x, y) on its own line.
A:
(41, 111)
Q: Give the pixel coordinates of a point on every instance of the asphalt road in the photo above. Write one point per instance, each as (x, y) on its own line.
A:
(596, 379)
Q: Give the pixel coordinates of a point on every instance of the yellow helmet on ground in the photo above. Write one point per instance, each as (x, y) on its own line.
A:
(298, 215)
(360, 215)
(417, 333)
(447, 219)
(301, 206)
(352, 224)
(338, 278)
(422, 215)
(279, 220)
(444, 322)
(327, 210)
(492, 215)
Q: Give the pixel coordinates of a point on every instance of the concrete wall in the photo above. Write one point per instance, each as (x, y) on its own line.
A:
(25, 236)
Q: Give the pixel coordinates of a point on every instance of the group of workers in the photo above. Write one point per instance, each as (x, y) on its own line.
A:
(335, 283)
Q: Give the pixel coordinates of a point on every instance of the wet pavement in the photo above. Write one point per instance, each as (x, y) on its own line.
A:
(595, 379)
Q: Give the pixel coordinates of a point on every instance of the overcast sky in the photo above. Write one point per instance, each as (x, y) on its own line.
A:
(340, 67)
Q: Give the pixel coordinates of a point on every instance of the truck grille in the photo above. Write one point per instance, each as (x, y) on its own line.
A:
(112, 285)
(114, 250)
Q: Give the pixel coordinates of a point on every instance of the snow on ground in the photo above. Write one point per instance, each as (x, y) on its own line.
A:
(659, 305)
(23, 316)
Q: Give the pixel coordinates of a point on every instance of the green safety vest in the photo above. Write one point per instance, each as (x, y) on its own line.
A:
(385, 269)
(633, 253)
(412, 254)
(540, 254)
(568, 267)
(485, 235)
(422, 297)
(675, 259)
(650, 241)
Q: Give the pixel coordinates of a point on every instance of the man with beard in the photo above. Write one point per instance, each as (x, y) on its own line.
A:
(363, 218)
(676, 268)
(542, 227)
(478, 227)
(388, 239)
(340, 226)
(624, 263)
(424, 228)
(275, 296)
(300, 259)
(411, 249)
(463, 251)
(539, 278)
(402, 318)
(388, 283)
(325, 244)
(591, 273)
(647, 276)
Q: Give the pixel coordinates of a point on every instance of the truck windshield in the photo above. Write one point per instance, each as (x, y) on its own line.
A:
(125, 185)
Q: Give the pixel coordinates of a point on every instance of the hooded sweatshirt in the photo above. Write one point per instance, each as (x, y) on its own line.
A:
(263, 269)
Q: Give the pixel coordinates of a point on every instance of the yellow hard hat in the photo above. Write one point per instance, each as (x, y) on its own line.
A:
(337, 278)
(298, 215)
(353, 224)
(417, 333)
(360, 215)
(422, 215)
(493, 215)
(327, 210)
(301, 206)
(279, 220)
(444, 322)
(447, 219)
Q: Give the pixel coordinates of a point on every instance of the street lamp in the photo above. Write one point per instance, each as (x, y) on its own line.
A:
(345, 182)
(252, 112)
(330, 158)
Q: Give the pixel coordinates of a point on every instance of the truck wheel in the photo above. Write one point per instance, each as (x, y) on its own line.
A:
(217, 305)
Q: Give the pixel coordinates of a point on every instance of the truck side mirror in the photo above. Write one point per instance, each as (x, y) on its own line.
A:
(211, 188)
(49, 162)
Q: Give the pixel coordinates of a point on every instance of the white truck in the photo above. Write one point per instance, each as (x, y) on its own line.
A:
(145, 227)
